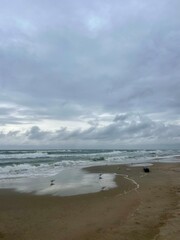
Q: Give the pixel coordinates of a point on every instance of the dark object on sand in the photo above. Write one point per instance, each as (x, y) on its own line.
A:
(146, 169)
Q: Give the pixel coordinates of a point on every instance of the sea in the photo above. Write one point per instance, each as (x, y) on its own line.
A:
(20, 169)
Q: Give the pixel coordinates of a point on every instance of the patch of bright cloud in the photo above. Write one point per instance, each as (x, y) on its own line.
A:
(95, 23)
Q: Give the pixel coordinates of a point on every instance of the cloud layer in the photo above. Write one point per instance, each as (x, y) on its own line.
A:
(77, 62)
(126, 130)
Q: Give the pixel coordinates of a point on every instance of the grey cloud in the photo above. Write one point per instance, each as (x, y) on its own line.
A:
(35, 133)
(126, 130)
(5, 111)
(73, 59)
(7, 116)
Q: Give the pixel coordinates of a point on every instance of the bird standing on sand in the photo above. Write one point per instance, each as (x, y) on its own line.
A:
(52, 182)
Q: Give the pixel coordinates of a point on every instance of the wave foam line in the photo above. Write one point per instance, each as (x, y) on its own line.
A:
(132, 180)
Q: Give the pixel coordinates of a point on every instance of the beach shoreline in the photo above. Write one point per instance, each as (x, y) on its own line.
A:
(142, 206)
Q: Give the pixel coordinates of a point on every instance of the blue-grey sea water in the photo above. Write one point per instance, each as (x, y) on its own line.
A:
(32, 163)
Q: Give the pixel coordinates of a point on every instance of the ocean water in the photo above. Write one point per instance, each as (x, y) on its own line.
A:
(32, 163)
(32, 171)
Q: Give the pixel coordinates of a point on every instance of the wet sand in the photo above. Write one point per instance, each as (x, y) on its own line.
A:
(143, 206)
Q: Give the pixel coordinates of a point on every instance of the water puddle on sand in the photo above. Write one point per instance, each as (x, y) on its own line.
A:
(67, 183)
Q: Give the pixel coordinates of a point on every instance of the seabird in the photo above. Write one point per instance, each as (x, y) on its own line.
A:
(52, 182)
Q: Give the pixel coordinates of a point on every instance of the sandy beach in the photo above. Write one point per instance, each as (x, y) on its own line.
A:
(142, 206)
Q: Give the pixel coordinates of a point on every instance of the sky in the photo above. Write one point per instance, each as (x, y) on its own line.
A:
(89, 74)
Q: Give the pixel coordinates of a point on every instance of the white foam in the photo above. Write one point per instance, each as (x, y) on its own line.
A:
(24, 155)
(140, 164)
(48, 164)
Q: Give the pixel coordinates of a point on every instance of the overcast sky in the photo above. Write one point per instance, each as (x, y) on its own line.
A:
(89, 74)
